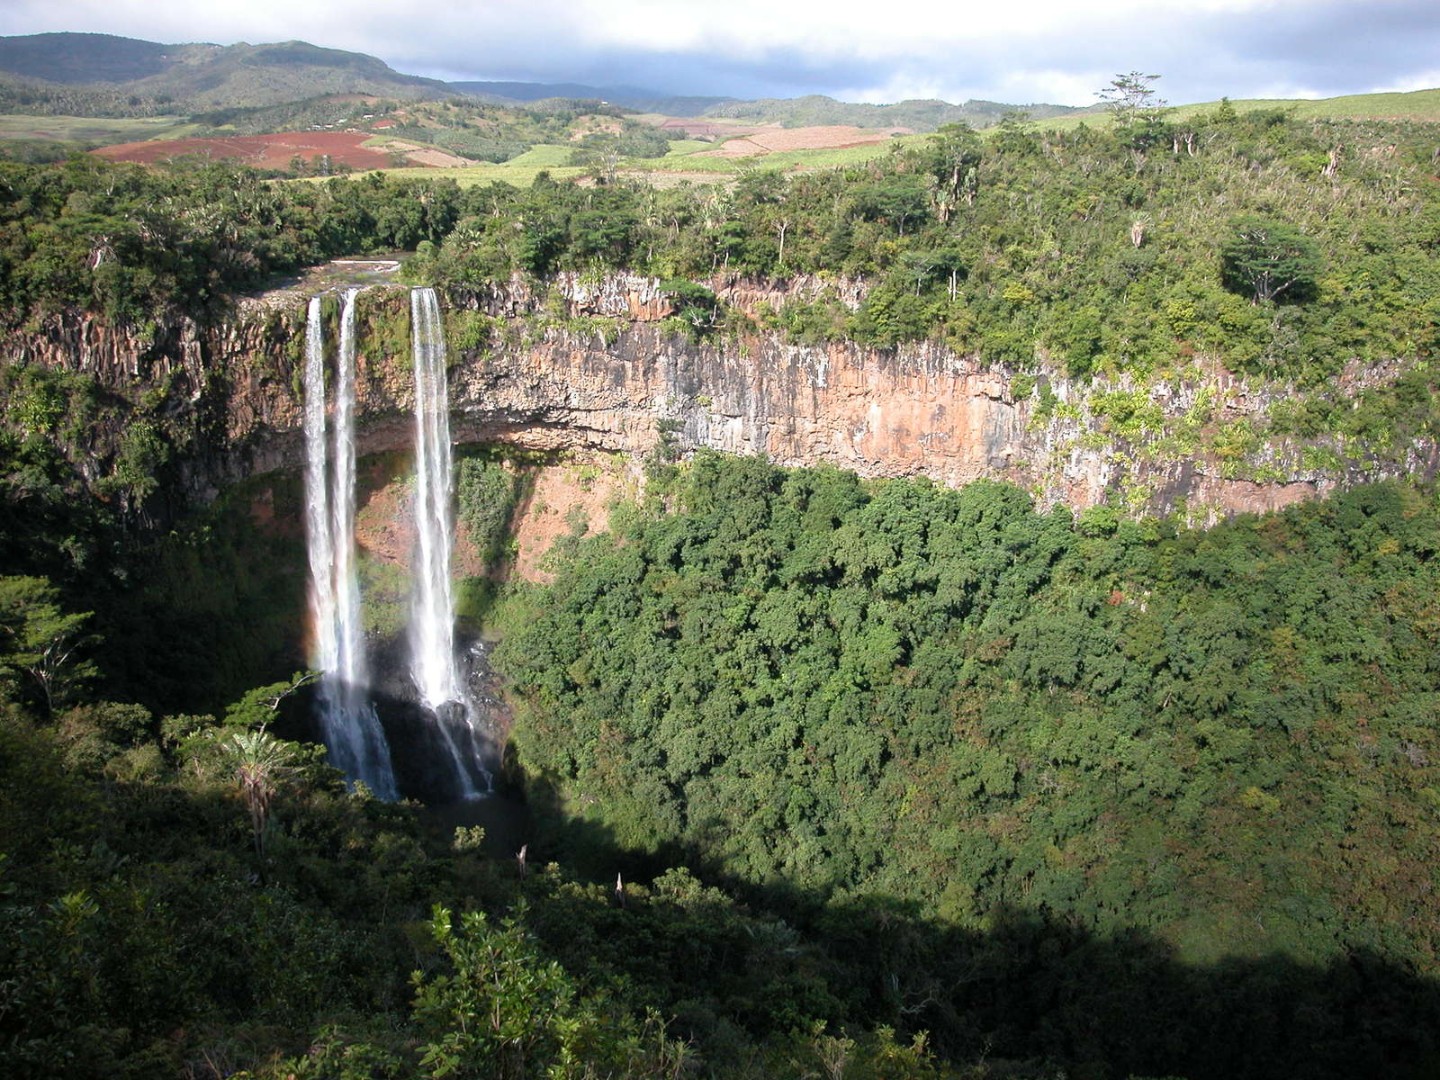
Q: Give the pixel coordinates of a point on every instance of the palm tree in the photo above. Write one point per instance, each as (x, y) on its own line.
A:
(263, 764)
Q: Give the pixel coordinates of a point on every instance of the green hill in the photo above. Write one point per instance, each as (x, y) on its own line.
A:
(82, 58)
(100, 75)
(1418, 105)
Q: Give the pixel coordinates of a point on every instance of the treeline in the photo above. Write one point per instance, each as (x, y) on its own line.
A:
(18, 95)
(134, 243)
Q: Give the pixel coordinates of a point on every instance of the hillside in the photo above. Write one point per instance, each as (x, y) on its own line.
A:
(915, 115)
(101, 73)
(83, 58)
(50, 72)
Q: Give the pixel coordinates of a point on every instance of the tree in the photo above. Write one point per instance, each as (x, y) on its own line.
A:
(1269, 260)
(501, 1009)
(263, 764)
(953, 156)
(40, 640)
(1135, 107)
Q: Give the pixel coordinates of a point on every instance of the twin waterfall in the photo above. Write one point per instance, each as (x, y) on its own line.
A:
(349, 723)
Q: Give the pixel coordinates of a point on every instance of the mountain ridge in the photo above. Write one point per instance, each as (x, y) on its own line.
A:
(199, 76)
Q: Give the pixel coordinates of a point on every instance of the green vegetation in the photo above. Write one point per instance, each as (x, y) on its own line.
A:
(1269, 260)
(835, 694)
(487, 492)
(142, 244)
(995, 793)
(1272, 247)
(826, 777)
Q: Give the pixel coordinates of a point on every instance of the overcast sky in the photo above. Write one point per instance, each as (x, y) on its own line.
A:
(1015, 51)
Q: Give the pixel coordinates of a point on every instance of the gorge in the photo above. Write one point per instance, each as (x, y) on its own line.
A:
(592, 371)
(987, 648)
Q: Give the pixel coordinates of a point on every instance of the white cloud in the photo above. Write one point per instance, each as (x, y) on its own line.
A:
(1021, 50)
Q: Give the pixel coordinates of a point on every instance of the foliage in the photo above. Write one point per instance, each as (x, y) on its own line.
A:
(505, 1011)
(1137, 111)
(1269, 260)
(41, 641)
(1000, 793)
(135, 243)
(262, 763)
(487, 492)
(1113, 250)
(948, 698)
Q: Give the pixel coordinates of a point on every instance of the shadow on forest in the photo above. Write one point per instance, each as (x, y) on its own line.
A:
(1031, 987)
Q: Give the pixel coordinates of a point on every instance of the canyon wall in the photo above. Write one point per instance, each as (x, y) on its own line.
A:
(580, 366)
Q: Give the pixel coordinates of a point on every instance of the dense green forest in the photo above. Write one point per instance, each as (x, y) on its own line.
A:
(946, 698)
(897, 780)
(976, 790)
(139, 244)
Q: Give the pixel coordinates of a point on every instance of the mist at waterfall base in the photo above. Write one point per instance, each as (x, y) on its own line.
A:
(407, 717)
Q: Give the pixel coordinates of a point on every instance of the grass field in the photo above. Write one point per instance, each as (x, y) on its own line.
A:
(1420, 105)
(685, 157)
(92, 130)
(520, 171)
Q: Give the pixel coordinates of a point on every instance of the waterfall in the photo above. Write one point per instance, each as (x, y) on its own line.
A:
(433, 609)
(432, 615)
(317, 498)
(350, 727)
(350, 665)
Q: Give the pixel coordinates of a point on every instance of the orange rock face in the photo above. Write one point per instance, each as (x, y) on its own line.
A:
(582, 366)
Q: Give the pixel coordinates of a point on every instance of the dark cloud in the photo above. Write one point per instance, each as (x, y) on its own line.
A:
(1328, 47)
(781, 73)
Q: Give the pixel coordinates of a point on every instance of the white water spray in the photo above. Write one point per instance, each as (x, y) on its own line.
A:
(433, 610)
(351, 729)
(432, 616)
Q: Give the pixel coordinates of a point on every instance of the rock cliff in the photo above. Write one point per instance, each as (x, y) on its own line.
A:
(600, 366)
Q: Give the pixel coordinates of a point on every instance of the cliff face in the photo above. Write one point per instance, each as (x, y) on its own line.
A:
(596, 366)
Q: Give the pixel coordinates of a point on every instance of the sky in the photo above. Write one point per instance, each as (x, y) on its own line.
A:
(1013, 51)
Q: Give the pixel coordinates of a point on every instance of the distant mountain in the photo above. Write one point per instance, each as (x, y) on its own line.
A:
(82, 58)
(814, 109)
(198, 76)
(917, 115)
(629, 97)
(103, 75)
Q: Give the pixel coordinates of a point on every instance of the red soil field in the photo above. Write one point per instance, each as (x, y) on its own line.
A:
(261, 151)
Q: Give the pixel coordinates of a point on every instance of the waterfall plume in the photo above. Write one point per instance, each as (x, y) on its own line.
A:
(432, 616)
(350, 727)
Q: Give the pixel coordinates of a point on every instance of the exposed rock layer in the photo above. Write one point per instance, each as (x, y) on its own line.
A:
(596, 366)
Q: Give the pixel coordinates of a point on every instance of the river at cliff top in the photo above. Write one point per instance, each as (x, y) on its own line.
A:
(341, 273)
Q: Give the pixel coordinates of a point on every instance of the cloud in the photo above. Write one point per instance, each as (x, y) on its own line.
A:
(1022, 51)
